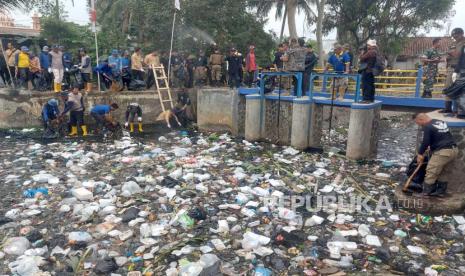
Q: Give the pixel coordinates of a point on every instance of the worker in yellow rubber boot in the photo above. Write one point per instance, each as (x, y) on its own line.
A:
(74, 103)
(85, 66)
(57, 67)
(131, 112)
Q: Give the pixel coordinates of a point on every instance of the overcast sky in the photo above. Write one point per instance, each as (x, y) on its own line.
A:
(79, 14)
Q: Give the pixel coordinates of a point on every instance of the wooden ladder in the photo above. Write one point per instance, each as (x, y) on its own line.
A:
(159, 74)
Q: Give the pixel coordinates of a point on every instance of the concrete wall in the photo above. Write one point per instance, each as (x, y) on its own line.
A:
(217, 109)
(24, 109)
(278, 130)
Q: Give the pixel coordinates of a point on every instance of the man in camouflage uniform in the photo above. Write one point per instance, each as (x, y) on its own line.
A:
(453, 56)
(294, 59)
(431, 59)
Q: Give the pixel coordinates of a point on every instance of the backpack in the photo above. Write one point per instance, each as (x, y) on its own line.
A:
(379, 66)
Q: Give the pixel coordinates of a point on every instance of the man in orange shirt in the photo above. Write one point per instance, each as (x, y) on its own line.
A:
(251, 66)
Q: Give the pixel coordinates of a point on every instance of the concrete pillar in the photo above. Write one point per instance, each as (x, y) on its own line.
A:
(253, 117)
(316, 125)
(301, 112)
(215, 109)
(235, 127)
(363, 131)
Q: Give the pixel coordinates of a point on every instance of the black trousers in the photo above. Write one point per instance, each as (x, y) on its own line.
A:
(150, 79)
(76, 118)
(234, 79)
(368, 86)
(250, 78)
(137, 75)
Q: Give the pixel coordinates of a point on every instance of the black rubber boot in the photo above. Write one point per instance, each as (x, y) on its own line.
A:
(448, 108)
(440, 190)
(428, 190)
(415, 187)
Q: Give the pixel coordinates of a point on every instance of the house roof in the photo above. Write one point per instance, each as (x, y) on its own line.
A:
(17, 31)
(417, 46)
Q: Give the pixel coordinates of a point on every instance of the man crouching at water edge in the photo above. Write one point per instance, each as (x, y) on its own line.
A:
(102, 114)
(439, 140)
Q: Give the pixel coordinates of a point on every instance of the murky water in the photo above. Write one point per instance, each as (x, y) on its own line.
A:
(397, 140)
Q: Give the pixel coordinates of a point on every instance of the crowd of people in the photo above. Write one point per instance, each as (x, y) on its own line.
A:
(57, 69)
(50, 69)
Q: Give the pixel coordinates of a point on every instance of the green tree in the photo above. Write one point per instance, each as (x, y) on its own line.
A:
(13, 4)
(290, 8)
(68, 34)
(389, 21)
(199, 24)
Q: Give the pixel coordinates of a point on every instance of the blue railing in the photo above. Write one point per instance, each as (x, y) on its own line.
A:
(297, 75)
(325, 77)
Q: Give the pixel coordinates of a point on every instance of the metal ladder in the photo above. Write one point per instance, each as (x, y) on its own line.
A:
(160, 70)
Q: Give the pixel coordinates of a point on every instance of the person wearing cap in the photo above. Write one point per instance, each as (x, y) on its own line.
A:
(251, 65)
(177, 70)
(235, 61)
(215, 62)
(85, 66)
(452, 59)
(368, 58)
(34, 70)
(74, 104)
(431, 59)
(152, 61)
(22, 63)
(102, 114)
(106, 74)
(132, 110)
(57, 68)
(126, 69)
(50, 115)
(114, 61)
(200, 69)
(10, 54)
(45, 60)
(340, 62)
(67, 64)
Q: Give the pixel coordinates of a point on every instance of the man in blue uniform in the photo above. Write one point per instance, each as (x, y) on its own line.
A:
(50, 115)
(102, 114)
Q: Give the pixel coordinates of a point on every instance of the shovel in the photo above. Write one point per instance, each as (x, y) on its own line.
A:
(409, 180)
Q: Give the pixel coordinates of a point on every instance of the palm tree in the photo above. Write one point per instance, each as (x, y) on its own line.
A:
(312, 9)
(290, 7)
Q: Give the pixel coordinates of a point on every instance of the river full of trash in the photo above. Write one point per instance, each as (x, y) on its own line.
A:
(188, 203)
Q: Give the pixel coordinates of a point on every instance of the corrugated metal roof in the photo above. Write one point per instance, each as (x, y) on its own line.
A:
(417, 46)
